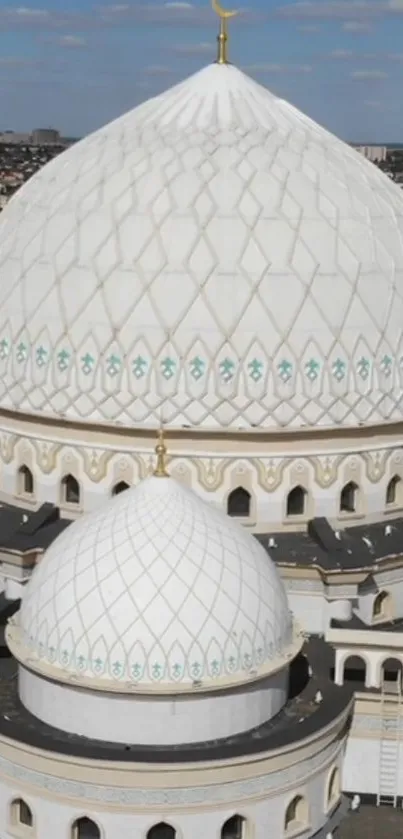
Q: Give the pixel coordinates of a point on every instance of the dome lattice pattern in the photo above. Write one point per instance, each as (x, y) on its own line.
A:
(156, 588)
(213, 252)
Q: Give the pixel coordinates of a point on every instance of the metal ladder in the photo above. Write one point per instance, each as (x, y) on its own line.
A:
(391, 697)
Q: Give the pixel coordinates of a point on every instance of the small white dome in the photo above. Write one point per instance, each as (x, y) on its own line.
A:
(156, 589)
(214, 252)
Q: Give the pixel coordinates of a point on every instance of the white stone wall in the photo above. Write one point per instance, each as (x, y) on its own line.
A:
(55, 812)
(309, 609)
(153, 720)
(361, 767)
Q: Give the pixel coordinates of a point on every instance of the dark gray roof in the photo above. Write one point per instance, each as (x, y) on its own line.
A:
(352, 549)
(300, 718)
(26, 530)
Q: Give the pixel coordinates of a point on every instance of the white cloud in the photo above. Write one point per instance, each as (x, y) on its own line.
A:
(22, 11)
(72, 41)
(369, 74)
(356, 26)
(341, 54)
(203, 48)
(278, 68)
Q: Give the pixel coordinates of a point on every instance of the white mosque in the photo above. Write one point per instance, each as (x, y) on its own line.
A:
(205, 642)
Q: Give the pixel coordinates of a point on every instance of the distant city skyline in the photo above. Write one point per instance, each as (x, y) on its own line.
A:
(77, 68)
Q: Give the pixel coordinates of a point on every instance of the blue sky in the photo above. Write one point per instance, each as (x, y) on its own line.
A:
(75, 64)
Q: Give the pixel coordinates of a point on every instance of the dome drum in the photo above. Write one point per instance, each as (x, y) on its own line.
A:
(152, 719)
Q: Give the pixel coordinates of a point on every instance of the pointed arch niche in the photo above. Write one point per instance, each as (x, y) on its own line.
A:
(162, 830)
(394, 492)
(239, 503)
(85, 828)
(234, 828)
(25, 481)
(70, 490)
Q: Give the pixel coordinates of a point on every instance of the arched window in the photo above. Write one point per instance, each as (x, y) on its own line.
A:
(333, 788)
(161, 831)
(392, 671)
(85, 828)
(382, 607)
(394, 491)
(25, 481)
(296, 500)
(238, 504)
(348, 498)
(21, 814)
(70, 490)
(120, 487)
(234, 828)
(355, 669)
(296, 815)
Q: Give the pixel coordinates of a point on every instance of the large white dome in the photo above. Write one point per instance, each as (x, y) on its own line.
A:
(156, 589)
(214, 252)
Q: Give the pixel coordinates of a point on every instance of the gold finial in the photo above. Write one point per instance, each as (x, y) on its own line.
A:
(160, 470)
(225, 16)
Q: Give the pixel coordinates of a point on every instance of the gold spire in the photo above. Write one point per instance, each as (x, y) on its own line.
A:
(224, 15)
(160, 470)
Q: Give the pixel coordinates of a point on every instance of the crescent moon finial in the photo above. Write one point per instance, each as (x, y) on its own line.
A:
(224, 15)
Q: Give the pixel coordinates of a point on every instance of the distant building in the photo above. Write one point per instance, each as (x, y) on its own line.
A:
(373, 153)
(14, 138)
(45, 137)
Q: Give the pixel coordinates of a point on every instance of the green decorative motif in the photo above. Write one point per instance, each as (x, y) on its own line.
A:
(22, 352)
(168, 368)
(156, 671)
(231, 664)
(196, 669)
(81, 662)
(65, 658)
(139, 367)
(4, 349)
(285, 371)
(98, 665)
(177, 671)
(113, 365)
(41, 356)
(197, 368)
(363, 368)
(117, 668)
(339, 369)
(63, 358)
(255, 368)
(386, 365)
(312, 369)
(136, 671)
(227, 369)
(247, 661)
(87, 363)
(215, 667)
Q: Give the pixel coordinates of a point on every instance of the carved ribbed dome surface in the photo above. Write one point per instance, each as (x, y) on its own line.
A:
(156, 588)
(213, 251)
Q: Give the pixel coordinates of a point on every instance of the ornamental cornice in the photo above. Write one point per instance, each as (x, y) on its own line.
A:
(262, 786)
(211, 472)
